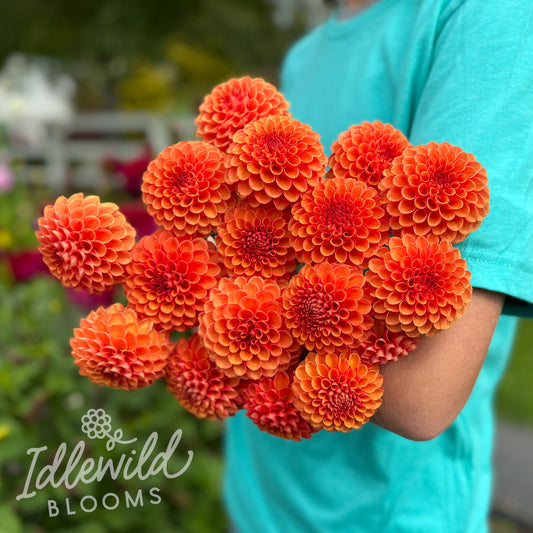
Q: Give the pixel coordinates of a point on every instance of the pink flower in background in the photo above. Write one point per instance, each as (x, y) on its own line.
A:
(6, 177)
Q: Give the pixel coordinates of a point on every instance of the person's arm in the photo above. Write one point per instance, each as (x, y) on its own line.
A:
(425, 391)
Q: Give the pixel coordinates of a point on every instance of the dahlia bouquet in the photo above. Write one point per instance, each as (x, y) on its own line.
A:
(295, 275)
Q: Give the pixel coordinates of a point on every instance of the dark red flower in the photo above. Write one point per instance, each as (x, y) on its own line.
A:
(270, 404)
(198, 384)
(383, 345)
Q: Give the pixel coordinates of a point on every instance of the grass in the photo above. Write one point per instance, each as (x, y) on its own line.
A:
(515, 396)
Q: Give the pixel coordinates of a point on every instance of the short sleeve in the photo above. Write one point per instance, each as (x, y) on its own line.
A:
(479, 95)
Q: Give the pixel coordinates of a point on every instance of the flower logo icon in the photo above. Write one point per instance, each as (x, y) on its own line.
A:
(96, 424)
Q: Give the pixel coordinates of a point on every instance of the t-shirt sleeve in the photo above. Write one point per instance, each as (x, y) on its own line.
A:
(479, 95)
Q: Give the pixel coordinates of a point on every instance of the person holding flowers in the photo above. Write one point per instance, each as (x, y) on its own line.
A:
(455, 73)
(348, 309)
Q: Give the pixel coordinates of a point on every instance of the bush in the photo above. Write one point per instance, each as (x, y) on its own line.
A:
(42, 401)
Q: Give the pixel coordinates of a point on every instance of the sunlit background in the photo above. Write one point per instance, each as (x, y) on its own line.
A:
(90, 92)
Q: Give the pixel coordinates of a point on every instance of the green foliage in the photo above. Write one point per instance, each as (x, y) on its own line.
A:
(42, 400)
(19, 209)
(515, 401)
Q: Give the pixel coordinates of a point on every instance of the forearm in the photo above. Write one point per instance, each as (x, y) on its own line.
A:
(426, 390)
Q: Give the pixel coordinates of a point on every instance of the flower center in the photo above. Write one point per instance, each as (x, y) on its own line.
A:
(181, 180)
(424, 285)
(273, 142)
(342, 401)
(165, 283)
(257, 245)
(442, 179)
(337, 215)
(314, 313)
(195, 394)
(233, 101)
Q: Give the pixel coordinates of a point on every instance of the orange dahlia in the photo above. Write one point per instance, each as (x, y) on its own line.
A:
(235, 103)
(337, 392)
(383, 345)
(275, 159)
(255, 241)
(114, 347)
(420, 286)
(365, 151)
(270, 405)
(436, 188)
(339, 221)
(169, 279)
(184, 189)
(243, 328)
(85, 243)
(325, 307)
(200, 387)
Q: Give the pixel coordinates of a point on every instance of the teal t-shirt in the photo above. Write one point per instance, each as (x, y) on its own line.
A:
(459, 71)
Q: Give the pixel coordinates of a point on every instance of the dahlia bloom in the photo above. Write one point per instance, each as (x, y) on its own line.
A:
(200, 387)
(382, 345)
(365, 151)
(340, 220)
(275, 159)
(255, 241)
(114, 347)
(242, 327)
(235, 103)
(85, 243)
(420, 286)
(325, 307)
(270, 404)
(337, 392)
(184, 189)
(438, 189)
(169, 279)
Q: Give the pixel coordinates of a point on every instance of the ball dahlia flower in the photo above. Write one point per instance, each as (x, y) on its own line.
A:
(169, 279)
(114, 347)
(340, 220)
(270, 404)
(184, 189)
(275, 159)
(365, 151)
(235, 103)
(200, 387)
(382, 345)
(243, 328)
(85, 243)
(325, 307)
(421, 285)
(438, 189)
(255, 241)
(337, 392)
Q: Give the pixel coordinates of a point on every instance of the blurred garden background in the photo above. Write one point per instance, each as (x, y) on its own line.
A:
(90, 92)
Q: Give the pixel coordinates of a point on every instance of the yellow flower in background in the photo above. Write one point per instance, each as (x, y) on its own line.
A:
(6, 239)
(149, 87)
